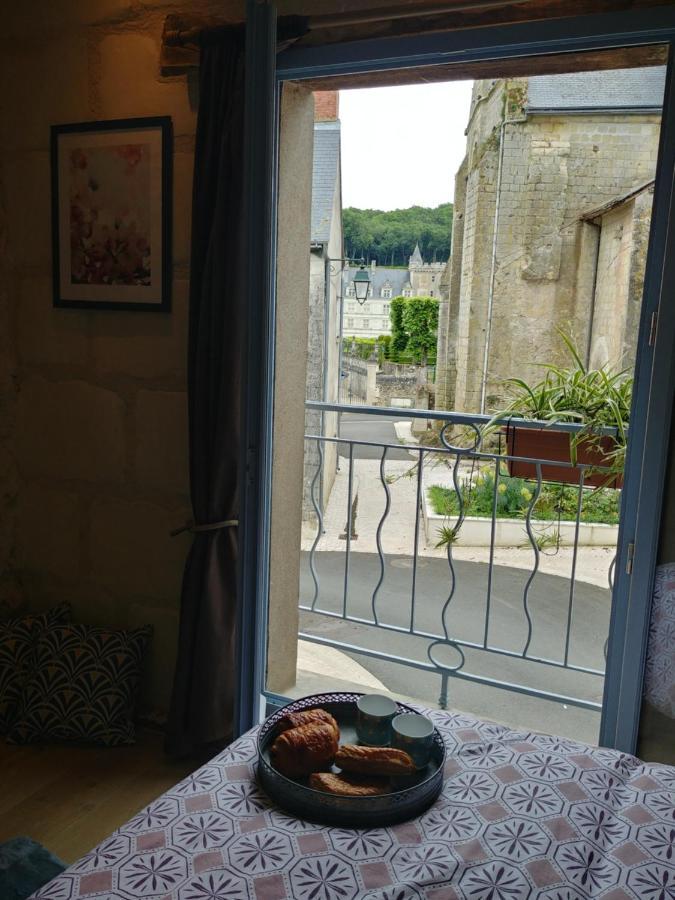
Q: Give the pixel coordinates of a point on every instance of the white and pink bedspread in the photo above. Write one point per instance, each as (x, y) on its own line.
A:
(521, 816)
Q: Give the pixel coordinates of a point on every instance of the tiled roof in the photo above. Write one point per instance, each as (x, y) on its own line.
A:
(380, 275)
(324, 178)
(611, 89)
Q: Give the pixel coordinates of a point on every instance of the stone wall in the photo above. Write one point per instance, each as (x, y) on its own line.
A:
(621, 260)
(323, 352)
(470, 274)
(554, 169)
(368, 384)
(391, 389)
(448, 310)
(93, 440)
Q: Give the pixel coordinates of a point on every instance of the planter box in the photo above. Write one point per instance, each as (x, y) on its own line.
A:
(476, 532)
(549, 443)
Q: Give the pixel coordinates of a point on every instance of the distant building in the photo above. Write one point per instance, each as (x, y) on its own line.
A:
(326, 251)
(371, 318)
(551, 222)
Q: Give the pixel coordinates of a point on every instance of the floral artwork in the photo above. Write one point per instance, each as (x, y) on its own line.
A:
(110, 215)
(111, 224)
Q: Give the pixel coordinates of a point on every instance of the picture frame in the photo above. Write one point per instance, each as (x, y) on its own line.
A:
(112, 214)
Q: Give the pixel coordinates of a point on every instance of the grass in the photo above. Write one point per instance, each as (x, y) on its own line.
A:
(514, 495)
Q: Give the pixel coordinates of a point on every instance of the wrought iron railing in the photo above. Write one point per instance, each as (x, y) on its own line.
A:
(428, 644)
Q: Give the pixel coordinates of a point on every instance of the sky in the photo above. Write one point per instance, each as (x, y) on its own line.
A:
(401, 146)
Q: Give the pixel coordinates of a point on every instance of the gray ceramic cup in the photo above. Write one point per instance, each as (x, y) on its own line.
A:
(374, 713)
(414, 734)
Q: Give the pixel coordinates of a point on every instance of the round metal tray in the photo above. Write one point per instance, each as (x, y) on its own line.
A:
(409, 797)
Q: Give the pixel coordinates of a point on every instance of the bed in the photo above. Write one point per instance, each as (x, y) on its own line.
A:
(521, 815)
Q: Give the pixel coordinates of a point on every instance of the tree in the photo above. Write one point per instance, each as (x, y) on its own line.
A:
(389, 237)
(420, 323)
(399, 338)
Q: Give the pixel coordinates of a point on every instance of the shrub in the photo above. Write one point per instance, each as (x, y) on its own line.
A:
(514, 496)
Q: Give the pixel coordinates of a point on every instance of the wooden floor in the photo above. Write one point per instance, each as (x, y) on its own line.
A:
(69, 798)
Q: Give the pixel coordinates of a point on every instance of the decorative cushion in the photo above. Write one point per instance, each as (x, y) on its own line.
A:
(18, 638)
(83, 686)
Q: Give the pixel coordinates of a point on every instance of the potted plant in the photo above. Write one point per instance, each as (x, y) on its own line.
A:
(597, 399)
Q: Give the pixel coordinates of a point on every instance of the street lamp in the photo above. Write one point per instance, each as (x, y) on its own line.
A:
(361, 284)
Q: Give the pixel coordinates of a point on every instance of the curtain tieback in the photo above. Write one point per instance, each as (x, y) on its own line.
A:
(194, 528)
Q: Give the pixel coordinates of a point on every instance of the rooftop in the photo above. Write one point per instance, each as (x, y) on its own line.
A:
(620, 89)
(324, 178)
(380, 275)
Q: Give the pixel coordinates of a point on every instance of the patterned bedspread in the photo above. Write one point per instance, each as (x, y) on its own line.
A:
(660, 671)
(521, 816)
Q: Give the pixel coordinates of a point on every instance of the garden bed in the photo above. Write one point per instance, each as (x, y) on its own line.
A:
(553, 518)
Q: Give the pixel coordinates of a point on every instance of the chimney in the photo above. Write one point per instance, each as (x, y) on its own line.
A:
(326, 106)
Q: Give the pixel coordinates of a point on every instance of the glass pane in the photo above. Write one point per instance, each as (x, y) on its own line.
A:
(427, 550)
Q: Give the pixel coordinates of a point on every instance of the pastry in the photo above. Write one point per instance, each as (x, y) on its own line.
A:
(348, 786)
(374, 760)
(308, 748)
(305, 717)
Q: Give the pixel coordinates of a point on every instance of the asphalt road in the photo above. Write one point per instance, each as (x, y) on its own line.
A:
(465, 618)
(379, 429)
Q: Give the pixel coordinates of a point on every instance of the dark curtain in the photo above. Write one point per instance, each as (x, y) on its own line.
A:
(201, 714)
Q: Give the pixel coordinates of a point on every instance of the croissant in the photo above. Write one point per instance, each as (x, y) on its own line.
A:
(305, 717)
(374, 760)
(308, 748)
(346, 786)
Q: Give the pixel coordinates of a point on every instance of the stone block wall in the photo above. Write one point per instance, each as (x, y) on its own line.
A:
(555, 169)
(403, 386)
(93, 412)
(533, 278)
(448, 312)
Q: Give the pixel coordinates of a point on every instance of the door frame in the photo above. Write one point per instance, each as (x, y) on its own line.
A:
(651, 412)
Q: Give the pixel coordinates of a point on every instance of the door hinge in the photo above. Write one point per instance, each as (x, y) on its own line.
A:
(630, 553)
(652, 328)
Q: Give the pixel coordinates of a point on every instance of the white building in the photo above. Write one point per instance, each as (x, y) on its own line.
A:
(371, 319)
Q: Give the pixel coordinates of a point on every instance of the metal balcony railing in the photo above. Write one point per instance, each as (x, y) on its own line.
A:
(428, 645)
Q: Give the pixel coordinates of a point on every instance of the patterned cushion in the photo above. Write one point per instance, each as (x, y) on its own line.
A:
(83, 686)
(18, 638)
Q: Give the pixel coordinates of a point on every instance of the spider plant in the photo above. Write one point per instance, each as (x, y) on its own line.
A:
(593, 398)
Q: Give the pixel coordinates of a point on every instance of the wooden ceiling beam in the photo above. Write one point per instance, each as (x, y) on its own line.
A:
(554, 64)
(511, 12)
(181, 34)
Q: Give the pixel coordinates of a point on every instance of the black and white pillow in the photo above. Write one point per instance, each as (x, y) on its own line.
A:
(18, 640)
(83, 686)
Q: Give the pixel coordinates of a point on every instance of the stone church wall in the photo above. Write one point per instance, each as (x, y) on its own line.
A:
(554, 169)
(621, 260)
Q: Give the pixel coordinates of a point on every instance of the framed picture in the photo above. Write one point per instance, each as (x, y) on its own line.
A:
(111, 214)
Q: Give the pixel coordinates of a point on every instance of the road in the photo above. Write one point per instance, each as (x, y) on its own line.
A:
(379, 429)
(548, 605)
